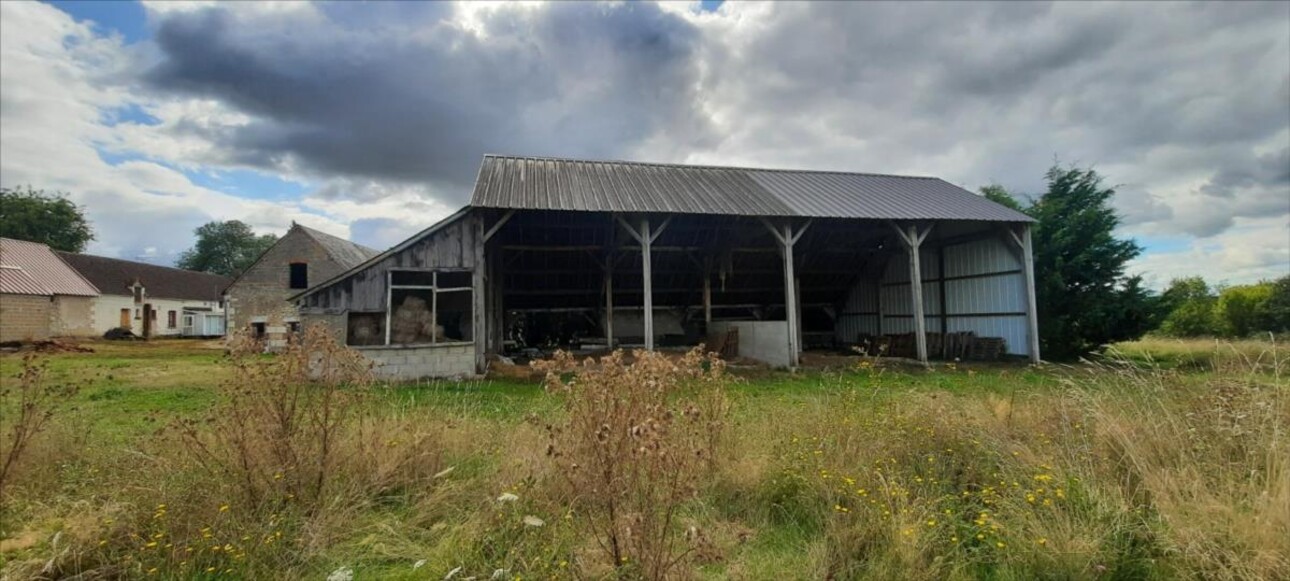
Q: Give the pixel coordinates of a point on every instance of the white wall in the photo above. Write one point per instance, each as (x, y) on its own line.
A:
(990, 306)
(107, 309)
(765, 341)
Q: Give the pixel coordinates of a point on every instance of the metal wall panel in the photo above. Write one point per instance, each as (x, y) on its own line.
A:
(999, 298)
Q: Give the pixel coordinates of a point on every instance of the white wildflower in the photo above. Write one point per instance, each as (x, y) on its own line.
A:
(533, 521)
(341, 574)
(507, 497)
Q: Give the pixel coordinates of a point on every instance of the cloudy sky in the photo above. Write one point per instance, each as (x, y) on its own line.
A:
(368, 121)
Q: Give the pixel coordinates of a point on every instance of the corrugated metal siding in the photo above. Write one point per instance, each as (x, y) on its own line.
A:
(15, 281)
(859, 314)
(45, 268)
(988, 295)
(615, 186)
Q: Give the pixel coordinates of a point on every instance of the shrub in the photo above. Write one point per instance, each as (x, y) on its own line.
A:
(639, 441)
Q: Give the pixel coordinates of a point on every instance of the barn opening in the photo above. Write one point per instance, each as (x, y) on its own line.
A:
(588, 255)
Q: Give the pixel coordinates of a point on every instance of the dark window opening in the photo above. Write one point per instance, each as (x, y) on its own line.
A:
(412, 277)
(258, 330)
(299, 275)
(171, 319)
(366, 329)
(454, 279)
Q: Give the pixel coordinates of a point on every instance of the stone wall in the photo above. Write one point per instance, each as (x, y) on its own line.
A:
(418, 361)
(260, 294)
(24, 317)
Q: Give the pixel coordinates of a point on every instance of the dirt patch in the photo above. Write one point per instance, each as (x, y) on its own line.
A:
(45, 346)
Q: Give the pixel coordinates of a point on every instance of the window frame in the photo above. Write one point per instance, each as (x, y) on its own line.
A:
(172, 319)
(435, 291)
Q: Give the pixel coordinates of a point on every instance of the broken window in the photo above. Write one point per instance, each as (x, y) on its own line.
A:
(299, 275)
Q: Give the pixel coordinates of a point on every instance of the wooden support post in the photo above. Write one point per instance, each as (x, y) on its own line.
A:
(707, 297)
(646, 240)
(389, 303)
(797, 298)
(609, 302)
(479, 328)
(1032, 312)
(878, 289)
(945, 315)
(913, 240)
(787, 237)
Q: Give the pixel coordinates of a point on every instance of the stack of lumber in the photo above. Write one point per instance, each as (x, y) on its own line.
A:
(964, 345)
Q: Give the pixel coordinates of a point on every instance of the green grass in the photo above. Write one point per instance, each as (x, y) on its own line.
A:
(1110, 432)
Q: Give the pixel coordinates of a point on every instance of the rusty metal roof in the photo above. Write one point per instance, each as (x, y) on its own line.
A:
(30, 268)
(543, 183)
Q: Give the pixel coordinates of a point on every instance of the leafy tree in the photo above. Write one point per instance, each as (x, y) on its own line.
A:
(1241, 310)
(226, 248)
(1276, 311)
(1190, 307)
(1085, 299)
(48, 218)
(997, 194)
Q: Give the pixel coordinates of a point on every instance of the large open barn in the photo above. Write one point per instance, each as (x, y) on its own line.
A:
(766, 264)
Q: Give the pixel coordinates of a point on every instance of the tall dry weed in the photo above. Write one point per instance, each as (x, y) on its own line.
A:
(640, 440)
(274, 433)
(32, 401)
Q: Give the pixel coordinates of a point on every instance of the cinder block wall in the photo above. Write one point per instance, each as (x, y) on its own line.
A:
(24, 317)
(395, 362)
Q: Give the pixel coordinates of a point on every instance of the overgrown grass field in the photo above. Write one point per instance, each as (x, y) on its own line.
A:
(171, 460)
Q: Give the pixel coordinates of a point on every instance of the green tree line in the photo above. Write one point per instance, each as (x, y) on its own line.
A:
(1194, 308)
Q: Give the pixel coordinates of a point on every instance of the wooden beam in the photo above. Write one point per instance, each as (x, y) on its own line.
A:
(389, 303)
(913, 239)
(479, 315)
(790, 296)
(500, 222)
(1032, 312)
(645, 238)
(707, 295)
(609, 307)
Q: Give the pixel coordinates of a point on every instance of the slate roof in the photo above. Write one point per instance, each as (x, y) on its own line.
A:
(544, 183)
(31, 268)
(114, 276)
(348, 254)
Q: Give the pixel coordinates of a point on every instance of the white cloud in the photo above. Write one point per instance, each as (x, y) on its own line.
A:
(382, 110)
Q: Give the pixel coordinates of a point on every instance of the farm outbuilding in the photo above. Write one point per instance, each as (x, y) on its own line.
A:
(766, 264)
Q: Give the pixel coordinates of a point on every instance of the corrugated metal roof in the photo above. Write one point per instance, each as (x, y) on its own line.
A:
(539, 183)
(15, 281)
(41, 269)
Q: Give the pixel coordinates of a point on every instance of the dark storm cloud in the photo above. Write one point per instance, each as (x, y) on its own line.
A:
(398, 93)
(1165, 96)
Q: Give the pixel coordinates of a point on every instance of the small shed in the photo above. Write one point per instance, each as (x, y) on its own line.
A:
(589, 254)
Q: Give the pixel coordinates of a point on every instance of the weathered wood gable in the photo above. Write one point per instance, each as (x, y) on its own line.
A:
(449, 246)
